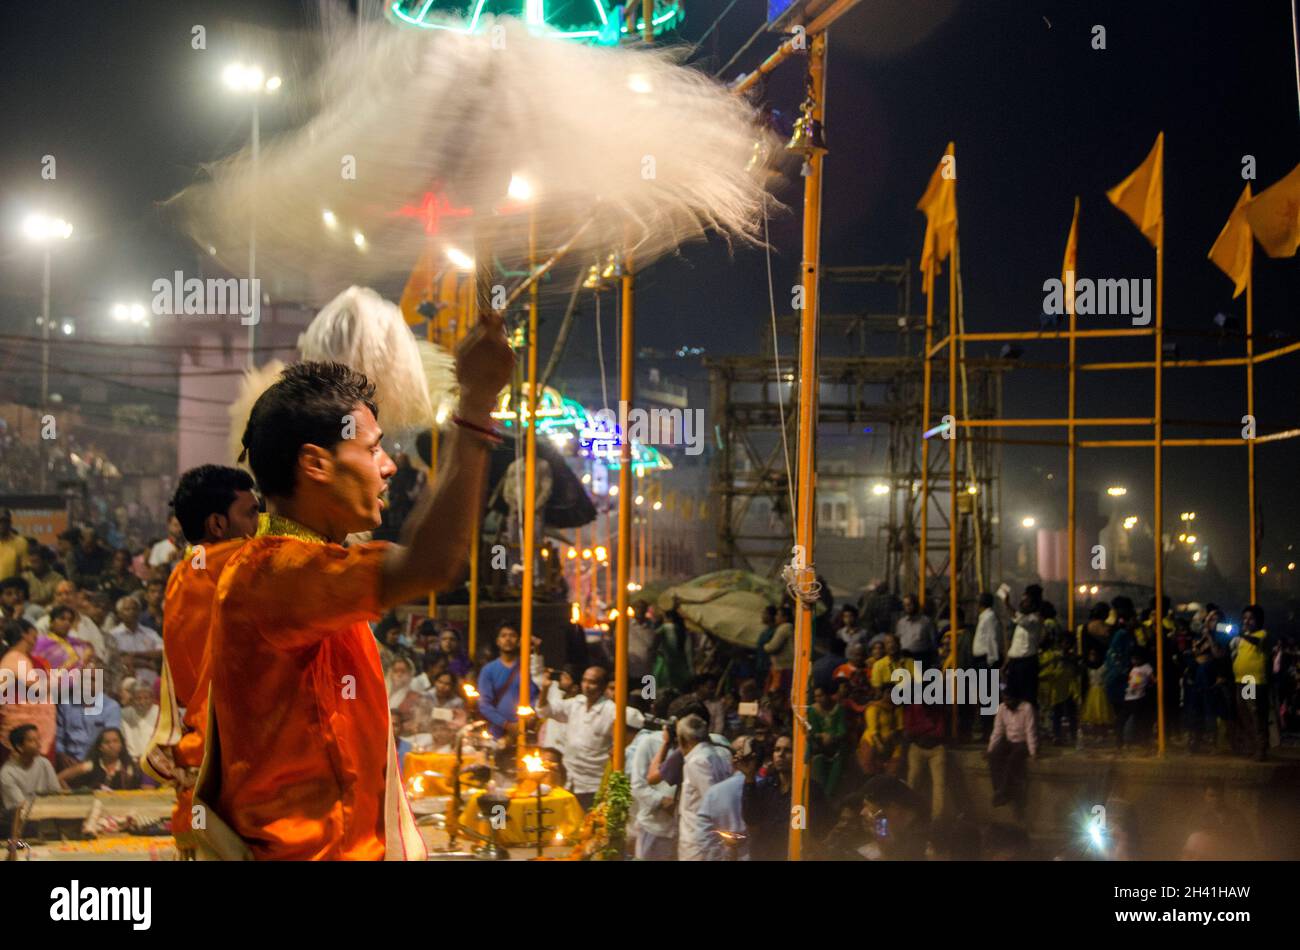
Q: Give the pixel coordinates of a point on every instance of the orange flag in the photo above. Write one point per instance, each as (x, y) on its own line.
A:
(1141, 194)
(1274, 216)
(939, 205)
(1233, 248)
(1070, 265)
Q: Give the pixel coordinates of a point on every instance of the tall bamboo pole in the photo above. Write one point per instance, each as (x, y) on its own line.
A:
(1158, 614)
(954, 518)
(1072, 451)
(806, 473)
(625, 395)
(474, 538)
(526, 416)
(926, 382)
(1250, 411)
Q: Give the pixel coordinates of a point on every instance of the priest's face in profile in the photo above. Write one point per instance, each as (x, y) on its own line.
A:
(356, 477)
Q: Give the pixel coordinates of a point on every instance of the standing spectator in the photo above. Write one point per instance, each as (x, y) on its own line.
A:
(878, 610)
(672, 664)
(640, 645)
(498, 684)
(915, 633)
(26, 773)
(766, 802)
(169, 549)
(449, 645)
(704, 764)
(780, 651)
(1134, 711)
(1021, 666)
(41, 576)
(107, 767)
(589, 730)
(925, 731)
(139, 719)
(1251, 651)
(1013, 743)
(654, 804)
(19, 665)
(79, 724)
(988, 634)
(13, 547)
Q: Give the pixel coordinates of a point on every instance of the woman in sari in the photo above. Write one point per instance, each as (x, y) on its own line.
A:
(20, 666)
(57, 647)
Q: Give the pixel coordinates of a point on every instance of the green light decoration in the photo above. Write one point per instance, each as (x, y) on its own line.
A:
(592, 21)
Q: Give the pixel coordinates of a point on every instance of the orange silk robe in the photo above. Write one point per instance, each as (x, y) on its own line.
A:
(301, 765)
(187, 614)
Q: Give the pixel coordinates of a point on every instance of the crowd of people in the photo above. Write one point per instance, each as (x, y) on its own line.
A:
(87, 611)
(710, 750)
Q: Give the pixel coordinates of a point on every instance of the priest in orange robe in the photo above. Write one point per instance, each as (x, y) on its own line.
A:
(300, 762)
(217, 510)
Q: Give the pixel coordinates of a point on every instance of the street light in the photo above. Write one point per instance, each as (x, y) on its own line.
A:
(44, 230)
(250, 80)
(1117, 491)
(880, 488)
(1027, 522)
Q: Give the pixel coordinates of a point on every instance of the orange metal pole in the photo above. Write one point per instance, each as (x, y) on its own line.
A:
(926, 383)
(954, 518)
(1159, 520)
(626, 392)
(1250, 411)
(995, 423)
(527, 418)
(806, 474)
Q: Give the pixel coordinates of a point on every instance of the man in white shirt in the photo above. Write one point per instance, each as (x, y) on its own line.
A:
(589, 730)
(170, 547)
(1022, 656)
(722, 809)
(654, 816)
(988, 634)
(132, 637)
(705, 765)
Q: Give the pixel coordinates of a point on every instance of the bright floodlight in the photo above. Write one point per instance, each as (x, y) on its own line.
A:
(657, 505)
(40, 227)
(67, 329)
(233, 76)
(120, 312)
(880, 488)
(1027, 522)
(1117, 491)
(460, 258)
(137, 313)
(358, 239)
(329, 218)
(273, 83)
(520, 189)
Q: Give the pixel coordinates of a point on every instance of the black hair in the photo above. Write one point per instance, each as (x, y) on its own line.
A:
(18, 733)
(1099, 611)
(206, 490)
(305, 406)
(95, 756)
(850, 608)
(1123, 607)
(1048, 610)
(986, 600)
(16, 583)
(1257, 610)
(58, 610)
(15, 630)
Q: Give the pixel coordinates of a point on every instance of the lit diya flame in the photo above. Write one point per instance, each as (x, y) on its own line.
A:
(470, 691)
(534, 764)
(524, 711)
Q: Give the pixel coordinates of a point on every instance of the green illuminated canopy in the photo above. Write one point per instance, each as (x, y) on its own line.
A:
(589, 21)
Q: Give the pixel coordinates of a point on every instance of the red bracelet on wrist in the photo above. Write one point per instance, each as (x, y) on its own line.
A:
(491, 434)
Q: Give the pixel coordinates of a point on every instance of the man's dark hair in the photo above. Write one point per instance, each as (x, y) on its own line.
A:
(206, 490)
(985, 600)
(1257, 610)
(305, 406)
(512, 624)
(18, 733)
(849, 608)
(17, 583)
(59, 610)
(1123, 607)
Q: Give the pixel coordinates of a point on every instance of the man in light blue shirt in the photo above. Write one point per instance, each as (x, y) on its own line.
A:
(721, 811)
(79, 725)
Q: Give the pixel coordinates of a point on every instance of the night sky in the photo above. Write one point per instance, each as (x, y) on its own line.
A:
(115, 92)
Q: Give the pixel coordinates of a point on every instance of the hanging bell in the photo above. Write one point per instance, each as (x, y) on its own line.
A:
(809, 136)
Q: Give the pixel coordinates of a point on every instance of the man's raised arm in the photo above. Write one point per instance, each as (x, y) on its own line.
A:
(437, 533)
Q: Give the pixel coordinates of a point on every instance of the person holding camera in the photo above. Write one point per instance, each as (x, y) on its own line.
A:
(704, 764)
(653, 825)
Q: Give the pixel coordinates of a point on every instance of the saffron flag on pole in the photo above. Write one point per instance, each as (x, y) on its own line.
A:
(1141, 194)
(1232, 249)
(1274, 216)
(939, 205)
(1071, 262)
